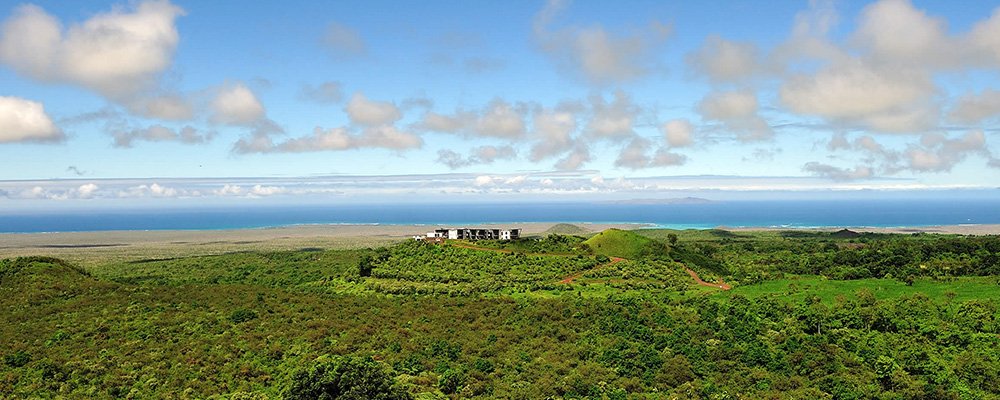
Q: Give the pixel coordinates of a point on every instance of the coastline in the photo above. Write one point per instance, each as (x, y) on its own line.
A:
(95, 246)
(103, 246)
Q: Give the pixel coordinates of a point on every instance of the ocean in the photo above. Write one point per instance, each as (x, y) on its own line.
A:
(792, 214)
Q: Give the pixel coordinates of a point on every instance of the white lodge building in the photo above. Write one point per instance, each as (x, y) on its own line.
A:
(474, 234)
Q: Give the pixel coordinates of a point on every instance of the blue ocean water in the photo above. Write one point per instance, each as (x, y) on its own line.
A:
(875, 213)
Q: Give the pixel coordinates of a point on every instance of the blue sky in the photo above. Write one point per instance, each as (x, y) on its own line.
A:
(123, 102)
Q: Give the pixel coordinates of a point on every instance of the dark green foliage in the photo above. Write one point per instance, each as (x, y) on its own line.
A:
(450, 381)
(16, 360)
(550, 244)
(242, 315)
(344, 378)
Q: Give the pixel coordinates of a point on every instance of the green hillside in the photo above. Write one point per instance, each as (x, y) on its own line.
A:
(624, 244)
(566, 229)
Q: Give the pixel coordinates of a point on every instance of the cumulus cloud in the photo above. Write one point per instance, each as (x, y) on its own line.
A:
(575, 159)
(838, 174)
(335, 139)
(635, 155)
(118, 53)
(237, 105)
(933, 153)
(614, 119)
(678, 132)
(737, 111)
(554, 130)
(890, 100)
(344, 41)
(24, 120)
(722, 60)
(86, 190)
(480, 155)
(938, 153)
(975, 108)
(498, 119)
(894, 32)
(501, 119)
(324, 93)
(171, 107)
(364, 111)
(160, 133)
(594, 53)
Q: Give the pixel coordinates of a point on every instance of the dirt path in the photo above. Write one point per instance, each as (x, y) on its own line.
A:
(721, 285)
(569, 279)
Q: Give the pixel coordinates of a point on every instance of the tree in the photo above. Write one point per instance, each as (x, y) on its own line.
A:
(345, 378)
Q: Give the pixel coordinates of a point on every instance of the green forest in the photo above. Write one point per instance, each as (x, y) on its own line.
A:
(614, 315)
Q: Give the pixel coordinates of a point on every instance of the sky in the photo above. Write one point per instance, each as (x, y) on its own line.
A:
(183, 102)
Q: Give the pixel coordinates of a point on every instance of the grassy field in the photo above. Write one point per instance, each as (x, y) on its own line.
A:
(797, 288)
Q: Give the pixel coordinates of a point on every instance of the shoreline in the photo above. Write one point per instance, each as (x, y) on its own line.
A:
(95, 247)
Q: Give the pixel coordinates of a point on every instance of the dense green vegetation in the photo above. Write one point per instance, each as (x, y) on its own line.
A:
(811, 316)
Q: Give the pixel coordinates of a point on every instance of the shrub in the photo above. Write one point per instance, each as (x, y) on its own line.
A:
(242, 315)
(450, 381)
(17, 360)
(344, 378)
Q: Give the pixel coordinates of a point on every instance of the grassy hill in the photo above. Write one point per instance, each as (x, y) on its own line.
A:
(624, 244)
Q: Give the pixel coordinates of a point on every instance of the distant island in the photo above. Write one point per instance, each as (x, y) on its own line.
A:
(675, 200)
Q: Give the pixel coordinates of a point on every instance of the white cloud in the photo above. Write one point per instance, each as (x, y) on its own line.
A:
(24, 120)
(237, 105)
(86, 190)
(939, 154)
(888, 100)
(678, 132)
(838, 174)
(595, 54)
(576, 158)
(263, 191)
(160, 133)
(388, 137)
(502, 120)
(933, 153)
(229, 190)
(893, 32)
(320, 140)
(612, 120)
(119, 53)
(554, 132)
(480, 155)
(975, 108)
(498, 119)
(335, 139)
(483, 181)
(737, 110)
(170, 107)
(367, 112)
(635, 155)
(723, 60)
